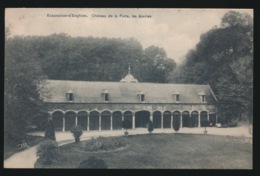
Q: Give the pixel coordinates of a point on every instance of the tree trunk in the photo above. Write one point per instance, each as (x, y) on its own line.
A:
(77, 139)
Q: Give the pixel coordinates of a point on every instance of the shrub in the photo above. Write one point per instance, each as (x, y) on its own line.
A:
(77, 131)
(47, 151)
(150, 126)
(94, 163)
(50, 131)
(102, 143)
(176, 124)
(126, 125)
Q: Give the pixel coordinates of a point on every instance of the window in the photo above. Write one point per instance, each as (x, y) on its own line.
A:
(105, 95)
(177, 97)
(142, 97)
(70, 96)
(203, 98)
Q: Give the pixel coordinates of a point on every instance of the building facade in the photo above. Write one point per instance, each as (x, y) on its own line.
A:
(104, 105)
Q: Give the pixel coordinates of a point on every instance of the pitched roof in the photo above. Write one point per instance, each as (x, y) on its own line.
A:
(90, 92)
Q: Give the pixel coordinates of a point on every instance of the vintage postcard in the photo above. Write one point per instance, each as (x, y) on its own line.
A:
(128, 88)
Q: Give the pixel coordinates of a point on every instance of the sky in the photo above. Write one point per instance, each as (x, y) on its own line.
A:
(175, 30)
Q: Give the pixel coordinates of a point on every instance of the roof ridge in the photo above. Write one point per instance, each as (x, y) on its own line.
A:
(125, 82)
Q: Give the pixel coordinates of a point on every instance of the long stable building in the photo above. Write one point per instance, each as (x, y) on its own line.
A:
(103, 105)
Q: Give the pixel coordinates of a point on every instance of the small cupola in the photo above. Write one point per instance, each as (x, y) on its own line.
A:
(70, 95)
(129, 78)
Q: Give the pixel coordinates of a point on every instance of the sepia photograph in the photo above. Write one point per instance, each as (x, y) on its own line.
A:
(128, 88)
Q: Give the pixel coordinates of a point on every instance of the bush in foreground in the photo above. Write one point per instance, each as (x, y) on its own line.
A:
(93, 163)
(150, 126)
(126, 124)
(47, 151)
(176, 124)
(77, 131)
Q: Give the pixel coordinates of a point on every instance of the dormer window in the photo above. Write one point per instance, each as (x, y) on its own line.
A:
(105, 95)
(70, 96)
(176, 96)
(141, 96)
(202, 97)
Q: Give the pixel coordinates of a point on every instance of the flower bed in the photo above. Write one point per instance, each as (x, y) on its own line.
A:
(103, 144)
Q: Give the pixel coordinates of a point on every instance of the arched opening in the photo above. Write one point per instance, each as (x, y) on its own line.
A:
(117, 120)
(128, 115)
(142, 119)
(167, 119)
(186, 121)
(194, 119)
(94, 120)
(83, 119)
(203, 118)
(176, 118)
(70, 120)
(212, 119)
(57, 118)
(157, 123)
(105, 120)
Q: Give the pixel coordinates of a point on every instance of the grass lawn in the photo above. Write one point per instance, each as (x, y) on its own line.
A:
(169, 151)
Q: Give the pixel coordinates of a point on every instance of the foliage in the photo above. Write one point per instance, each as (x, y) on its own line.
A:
(64, 57)
(29, 60)
(224, 59)
(50, 131)
(102, 143)
(176, 124)
(47, 151)
(150, 126)
(93, 162)
(77, 131)
(23, 83)
(126, 124)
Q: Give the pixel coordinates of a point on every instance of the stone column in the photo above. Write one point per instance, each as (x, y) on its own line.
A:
(76, 120)
(111, 122)
(216, 118)
(88, 122)
(161, 120)
(123, 118)
(63, 123)
(199, 120)
(208, 116)
(171, 119)
(133, 120)
(49, 115)
(99, 122)
(181, 120)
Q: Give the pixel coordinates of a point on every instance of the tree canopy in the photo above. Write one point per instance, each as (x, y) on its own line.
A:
(64, 57)
(29, 60)
(224, 59)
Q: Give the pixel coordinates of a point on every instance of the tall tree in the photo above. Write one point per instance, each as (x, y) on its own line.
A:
(224, 59)
(155, 66)
(22, 100)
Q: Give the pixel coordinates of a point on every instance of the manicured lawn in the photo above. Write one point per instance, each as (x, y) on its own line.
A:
(169, 151)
